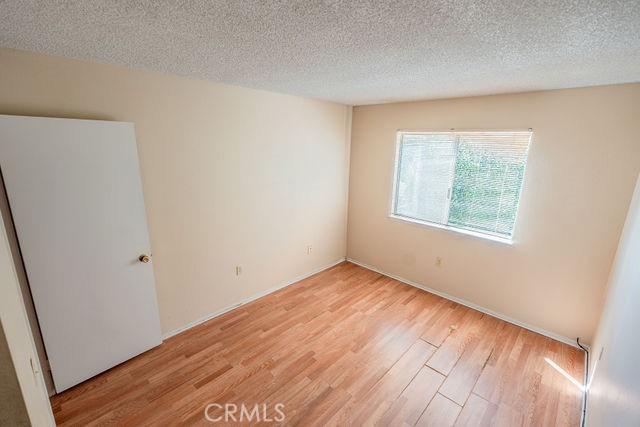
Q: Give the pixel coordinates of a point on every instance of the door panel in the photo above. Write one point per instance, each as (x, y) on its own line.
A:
(76, 198)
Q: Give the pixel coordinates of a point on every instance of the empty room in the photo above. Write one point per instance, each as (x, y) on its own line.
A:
(320, 213)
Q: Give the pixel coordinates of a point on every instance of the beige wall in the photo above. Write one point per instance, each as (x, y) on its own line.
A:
(231, 176)
(582, 167)
(13, 411)
(235, 176)
(614, 393)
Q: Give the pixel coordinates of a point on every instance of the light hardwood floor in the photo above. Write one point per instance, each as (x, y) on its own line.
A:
(345, 347)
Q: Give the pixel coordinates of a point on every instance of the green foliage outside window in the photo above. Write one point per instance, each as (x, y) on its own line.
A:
(485, 192)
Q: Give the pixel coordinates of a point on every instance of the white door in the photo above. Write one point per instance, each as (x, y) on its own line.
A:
(76, 199)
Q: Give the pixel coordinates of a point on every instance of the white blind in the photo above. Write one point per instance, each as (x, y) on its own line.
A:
(469, 180)
(424, 178)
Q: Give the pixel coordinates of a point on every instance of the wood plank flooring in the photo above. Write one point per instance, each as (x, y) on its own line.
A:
(344, 347)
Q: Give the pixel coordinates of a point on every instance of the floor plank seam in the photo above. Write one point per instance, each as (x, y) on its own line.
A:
(387, 325)
(425, 408)
(430, 343)
(451, 400)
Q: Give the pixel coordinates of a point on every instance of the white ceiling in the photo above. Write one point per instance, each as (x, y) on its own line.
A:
(351, 51)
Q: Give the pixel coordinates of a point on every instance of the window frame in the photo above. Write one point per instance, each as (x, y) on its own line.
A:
(430, 224)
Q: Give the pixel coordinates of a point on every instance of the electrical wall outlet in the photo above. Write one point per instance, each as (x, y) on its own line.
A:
(238, 270)
(309, 249)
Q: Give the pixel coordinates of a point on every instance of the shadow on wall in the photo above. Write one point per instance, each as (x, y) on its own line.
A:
(614, 387)
(17, 110)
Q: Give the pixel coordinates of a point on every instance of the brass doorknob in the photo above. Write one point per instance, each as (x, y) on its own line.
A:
(144, 258)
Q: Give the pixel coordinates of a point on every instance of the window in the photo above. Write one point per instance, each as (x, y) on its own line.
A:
(461, 180)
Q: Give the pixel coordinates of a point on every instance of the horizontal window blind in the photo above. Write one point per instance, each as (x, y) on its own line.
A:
(425, 175)
(467, 180)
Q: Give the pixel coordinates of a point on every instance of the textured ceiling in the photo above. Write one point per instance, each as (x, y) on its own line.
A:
(352, 51)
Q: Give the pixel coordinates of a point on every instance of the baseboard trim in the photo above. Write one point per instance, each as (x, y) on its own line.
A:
(585, 390)
(466, 303)
(248, 300)
(461, 301)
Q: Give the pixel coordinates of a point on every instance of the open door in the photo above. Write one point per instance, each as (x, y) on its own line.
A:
(76, 199)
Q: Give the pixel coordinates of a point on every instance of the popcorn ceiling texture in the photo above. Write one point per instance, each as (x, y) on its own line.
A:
(352, 52)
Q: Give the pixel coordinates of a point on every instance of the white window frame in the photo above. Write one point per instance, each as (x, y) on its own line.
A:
(430, 224)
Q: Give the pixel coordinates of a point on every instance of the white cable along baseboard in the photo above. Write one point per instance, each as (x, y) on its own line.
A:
(501, 316)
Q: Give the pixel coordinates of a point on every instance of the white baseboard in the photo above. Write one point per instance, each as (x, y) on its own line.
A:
(254, 297)
(248, 300)
(501, 316)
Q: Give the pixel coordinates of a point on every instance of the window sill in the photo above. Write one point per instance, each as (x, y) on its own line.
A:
(490, 237)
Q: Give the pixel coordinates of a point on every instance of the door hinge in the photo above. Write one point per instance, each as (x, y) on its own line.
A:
(34, 366)
(46, 366)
